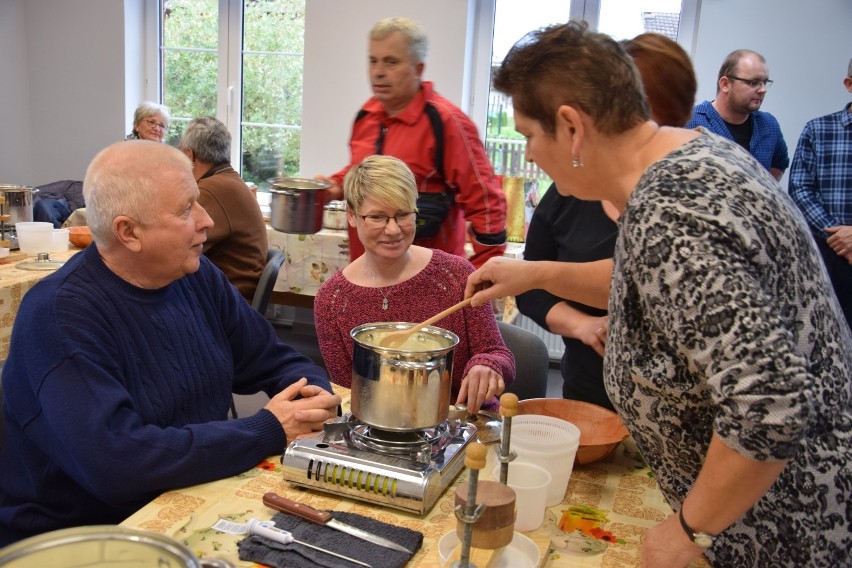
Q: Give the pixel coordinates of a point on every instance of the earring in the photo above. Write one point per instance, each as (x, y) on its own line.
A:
(576, 162)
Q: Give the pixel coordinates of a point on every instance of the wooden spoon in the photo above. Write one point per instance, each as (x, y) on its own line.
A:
(397, 338)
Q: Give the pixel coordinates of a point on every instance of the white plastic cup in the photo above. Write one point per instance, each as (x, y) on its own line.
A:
(34, 237)
(59, 241)
(530, 483)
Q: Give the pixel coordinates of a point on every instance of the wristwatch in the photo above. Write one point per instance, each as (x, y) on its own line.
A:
(702, 539)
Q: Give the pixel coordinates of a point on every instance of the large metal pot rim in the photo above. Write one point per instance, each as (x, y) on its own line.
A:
(63, 537)
(401, 326)
(12, 187)
(287, 185)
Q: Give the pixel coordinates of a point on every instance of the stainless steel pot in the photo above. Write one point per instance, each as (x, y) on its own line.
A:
(19, 202)
(402, 389)
(334, 215)
(102, 546)
(297, 204)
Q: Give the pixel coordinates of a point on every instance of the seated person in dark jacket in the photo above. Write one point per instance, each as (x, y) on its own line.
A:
(123, 362)
(236, 242)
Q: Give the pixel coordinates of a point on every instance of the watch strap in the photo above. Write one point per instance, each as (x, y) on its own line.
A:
(702, 539)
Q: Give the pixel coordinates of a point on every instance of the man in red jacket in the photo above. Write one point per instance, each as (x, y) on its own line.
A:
(407, 119)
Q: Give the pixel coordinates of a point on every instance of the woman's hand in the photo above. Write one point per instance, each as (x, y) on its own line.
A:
(667, 545)
(480, 384)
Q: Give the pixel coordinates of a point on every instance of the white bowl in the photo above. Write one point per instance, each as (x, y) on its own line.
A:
(520, 553)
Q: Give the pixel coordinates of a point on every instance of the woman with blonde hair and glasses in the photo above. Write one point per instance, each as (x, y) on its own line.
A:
(397, 281)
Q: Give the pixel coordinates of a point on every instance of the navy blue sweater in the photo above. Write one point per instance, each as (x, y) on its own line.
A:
(114, 394)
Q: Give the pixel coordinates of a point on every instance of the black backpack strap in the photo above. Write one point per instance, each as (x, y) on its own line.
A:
(438, 130)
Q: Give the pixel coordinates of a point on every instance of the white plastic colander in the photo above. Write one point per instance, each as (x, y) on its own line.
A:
(547, 442)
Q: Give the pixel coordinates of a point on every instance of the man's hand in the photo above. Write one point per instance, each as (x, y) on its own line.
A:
(498, 278)
(480, 384)
(840, 239)
(667, 545)
(335, 191)
(299, 416)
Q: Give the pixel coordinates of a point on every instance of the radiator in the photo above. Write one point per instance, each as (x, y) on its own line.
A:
(554, 342)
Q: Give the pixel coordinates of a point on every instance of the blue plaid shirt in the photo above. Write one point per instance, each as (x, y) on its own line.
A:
(767, 143)
(821, 175)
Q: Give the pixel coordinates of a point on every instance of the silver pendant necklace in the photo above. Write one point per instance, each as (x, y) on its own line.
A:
(384, 299)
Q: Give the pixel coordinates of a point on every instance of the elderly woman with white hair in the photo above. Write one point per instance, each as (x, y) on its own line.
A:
(150, 122)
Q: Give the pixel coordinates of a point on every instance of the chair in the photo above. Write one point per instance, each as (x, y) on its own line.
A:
(532, 361)
(266, 282)
(265, 285)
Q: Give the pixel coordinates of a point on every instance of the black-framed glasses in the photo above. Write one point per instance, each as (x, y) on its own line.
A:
(752, 83)
(403, 219)
(154, 124)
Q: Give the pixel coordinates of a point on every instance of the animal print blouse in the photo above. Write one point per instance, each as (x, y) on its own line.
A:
(722, 320)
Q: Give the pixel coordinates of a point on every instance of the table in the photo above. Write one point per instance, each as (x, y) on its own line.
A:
(621, 487)
(14, 283)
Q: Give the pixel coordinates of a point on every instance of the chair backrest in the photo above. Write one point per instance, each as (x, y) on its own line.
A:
(260, 300)
(532, 361)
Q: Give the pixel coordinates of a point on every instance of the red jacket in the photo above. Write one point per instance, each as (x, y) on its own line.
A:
(409, 136)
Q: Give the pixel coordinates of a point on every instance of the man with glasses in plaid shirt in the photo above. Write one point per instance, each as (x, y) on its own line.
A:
(742, 83)
(821, 185)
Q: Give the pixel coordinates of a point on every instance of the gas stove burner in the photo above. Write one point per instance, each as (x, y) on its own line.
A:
(419, 445)
(404, 470)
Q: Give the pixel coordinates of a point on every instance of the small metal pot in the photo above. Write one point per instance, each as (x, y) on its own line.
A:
(104, 545)
(19, 202)
(334, 215)
(401, 389)
(297, 204)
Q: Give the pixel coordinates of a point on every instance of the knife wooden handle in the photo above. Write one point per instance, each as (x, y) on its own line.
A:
(305, 512)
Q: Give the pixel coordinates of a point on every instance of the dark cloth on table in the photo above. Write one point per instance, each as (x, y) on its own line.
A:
(54, 202)
(567, 229)
(293, 555)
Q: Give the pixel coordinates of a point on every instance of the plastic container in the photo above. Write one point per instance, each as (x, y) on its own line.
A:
(59, 241)
(550, 443)
(531, 484)
(34, 237)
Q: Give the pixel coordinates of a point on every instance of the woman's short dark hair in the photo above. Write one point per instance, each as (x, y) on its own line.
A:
(566, 64)
(667, 77)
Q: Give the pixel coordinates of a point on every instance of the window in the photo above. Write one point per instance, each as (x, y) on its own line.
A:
(240, 61)
(622, 19)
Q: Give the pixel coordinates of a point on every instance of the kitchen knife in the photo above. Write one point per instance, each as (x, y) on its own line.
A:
(308, 513)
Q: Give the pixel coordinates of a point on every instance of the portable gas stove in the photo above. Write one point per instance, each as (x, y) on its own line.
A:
(403, 470)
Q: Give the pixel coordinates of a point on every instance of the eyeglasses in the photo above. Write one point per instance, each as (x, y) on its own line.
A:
(154, 124)
(403, 219)
(753, 83)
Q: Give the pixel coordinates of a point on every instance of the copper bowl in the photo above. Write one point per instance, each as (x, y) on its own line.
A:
(601, 430)
(80, 237)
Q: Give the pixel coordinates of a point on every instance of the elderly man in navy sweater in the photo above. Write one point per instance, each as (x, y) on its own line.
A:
(123, 362)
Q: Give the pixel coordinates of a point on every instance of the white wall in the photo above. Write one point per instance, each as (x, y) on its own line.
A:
(15, 140)
(335, 80)
(806, 45)
(68, 62)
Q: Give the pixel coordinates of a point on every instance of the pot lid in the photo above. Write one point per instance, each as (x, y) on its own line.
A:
(295, 184)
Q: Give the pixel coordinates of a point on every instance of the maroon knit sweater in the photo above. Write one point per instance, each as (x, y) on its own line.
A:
(340, 306)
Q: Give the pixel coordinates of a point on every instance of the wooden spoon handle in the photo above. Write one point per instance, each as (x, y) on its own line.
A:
(439, 316)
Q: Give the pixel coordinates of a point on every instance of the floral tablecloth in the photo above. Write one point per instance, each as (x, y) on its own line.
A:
(310, 260)
(14, 283)
(613, 502)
